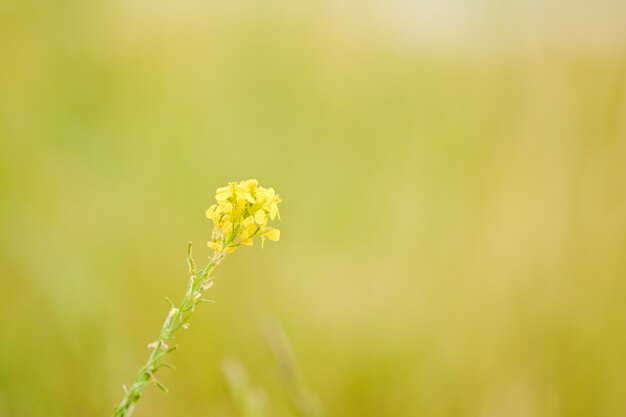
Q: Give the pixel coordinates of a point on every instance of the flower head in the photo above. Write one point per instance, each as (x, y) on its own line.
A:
(242, 213)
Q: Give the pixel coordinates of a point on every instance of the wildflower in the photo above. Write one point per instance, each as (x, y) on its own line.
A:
(242, 213)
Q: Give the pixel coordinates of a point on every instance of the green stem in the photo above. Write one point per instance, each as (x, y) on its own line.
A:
(176, 318)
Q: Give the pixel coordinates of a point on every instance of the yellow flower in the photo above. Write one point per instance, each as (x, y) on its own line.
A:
(241, 213)
(212, 214)
(246, 190)
(273, 205)
(224, 193)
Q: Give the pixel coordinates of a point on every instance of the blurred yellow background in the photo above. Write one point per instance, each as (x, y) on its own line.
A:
(453, 179)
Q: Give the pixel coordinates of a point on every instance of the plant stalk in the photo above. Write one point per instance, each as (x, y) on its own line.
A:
(177, 317)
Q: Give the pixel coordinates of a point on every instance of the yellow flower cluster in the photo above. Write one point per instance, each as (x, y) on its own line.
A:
(242, 212)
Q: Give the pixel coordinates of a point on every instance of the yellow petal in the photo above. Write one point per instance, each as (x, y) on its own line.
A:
(244, 239)
(261, 195)
(251, 228)
(223, 195)
(227, 228)
(241, 193)
(249, 185)
(272, 234)
(212, 214)
(215, 245)
(273, 211)
(222, 189)
(260, 217)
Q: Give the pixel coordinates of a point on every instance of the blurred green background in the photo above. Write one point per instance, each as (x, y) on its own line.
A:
(454, 216)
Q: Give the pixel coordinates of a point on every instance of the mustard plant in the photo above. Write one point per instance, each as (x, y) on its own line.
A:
(240, 215)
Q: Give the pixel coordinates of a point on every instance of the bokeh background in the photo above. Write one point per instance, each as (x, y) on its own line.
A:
(454, 216)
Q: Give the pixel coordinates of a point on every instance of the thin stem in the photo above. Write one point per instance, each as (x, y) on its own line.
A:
(177, 317)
